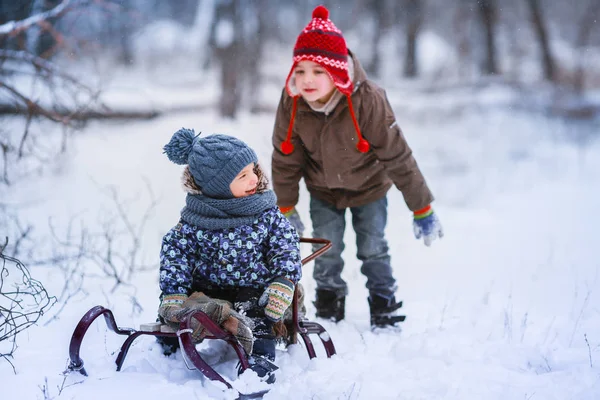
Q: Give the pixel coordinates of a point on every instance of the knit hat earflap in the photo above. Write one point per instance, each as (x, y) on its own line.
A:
(214, 161)
(322, 42)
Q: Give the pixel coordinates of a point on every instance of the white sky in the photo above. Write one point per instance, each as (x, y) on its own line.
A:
(496, 310)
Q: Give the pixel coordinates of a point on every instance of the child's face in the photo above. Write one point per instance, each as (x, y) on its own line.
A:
(244, 184)
(313, 82)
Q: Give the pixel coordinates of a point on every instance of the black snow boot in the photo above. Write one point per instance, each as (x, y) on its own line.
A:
(264, 368)
(384, 312)
(169, 344)
(330, 305)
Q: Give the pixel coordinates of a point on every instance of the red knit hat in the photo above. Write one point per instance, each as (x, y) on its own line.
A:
(322, 42)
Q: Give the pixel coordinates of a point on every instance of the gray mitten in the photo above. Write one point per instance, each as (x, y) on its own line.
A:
(171, 307)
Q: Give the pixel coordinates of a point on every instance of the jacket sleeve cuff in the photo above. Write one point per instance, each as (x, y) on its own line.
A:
(283, 281)
(423, 212)
(173, 300)
(285, 210)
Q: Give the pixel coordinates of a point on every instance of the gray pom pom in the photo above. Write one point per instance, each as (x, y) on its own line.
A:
(180, 146)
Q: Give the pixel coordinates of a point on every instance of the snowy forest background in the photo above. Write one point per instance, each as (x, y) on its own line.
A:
(500, 101)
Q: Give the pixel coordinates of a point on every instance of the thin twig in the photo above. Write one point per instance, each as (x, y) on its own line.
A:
(589, 349)
(583, 307)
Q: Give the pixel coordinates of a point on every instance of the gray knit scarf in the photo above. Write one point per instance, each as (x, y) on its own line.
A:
(208, 213)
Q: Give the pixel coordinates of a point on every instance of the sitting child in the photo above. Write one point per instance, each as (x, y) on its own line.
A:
(231, 242)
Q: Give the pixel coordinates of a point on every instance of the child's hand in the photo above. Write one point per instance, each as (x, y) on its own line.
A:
(277, 298)
(171, 307)
(292, 215)
(427, 225)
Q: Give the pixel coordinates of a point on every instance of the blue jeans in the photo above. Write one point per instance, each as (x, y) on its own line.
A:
(369, 223)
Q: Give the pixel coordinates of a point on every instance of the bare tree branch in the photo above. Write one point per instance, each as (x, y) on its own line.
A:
(23, 300)
(39, 63)
(32, 106)
(15, 27)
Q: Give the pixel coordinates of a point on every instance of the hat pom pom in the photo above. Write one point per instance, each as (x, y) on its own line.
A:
(320, 12)
(287, 148)
(363, 146)
(180, 146)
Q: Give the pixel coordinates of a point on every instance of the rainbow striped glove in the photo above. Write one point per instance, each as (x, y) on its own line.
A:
(427, 225)
(277, 298)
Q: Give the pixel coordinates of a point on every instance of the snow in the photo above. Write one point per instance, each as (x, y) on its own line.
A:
(505, 306)
(224, 33)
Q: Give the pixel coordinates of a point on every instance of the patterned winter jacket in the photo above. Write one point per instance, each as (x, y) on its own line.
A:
(246, 256)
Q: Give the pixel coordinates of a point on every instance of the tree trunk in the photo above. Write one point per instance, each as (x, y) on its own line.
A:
(183, 11)
(11, 10)
(373, 67)
(462, 26)
(254, 47)
(586, 25)
(539, 27)
(414, 11)
(487, 13)
(121, 31)
(125, 56)
(227, 44)
(46, 42)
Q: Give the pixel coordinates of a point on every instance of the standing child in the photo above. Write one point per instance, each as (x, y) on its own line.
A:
(231, 242)
(336, 129)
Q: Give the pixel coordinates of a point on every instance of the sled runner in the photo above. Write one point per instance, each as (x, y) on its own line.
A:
(297, 326)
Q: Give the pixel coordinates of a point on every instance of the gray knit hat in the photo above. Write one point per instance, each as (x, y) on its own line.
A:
(214, 160)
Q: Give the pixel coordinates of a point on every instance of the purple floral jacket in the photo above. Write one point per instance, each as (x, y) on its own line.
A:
(252, 255)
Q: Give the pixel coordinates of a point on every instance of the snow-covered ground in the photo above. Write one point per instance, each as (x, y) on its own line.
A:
(506, 306)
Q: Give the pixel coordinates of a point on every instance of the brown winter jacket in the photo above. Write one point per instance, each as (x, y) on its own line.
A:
(325, 153)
